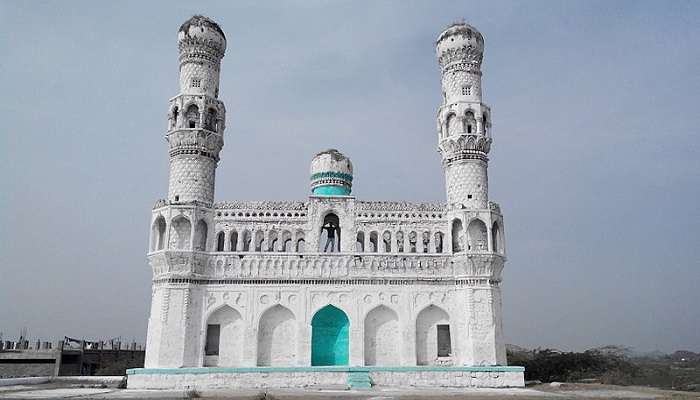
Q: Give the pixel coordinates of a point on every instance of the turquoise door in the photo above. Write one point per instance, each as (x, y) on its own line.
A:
(329, 337)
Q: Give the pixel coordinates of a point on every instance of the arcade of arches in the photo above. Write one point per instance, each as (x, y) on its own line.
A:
(330, 330)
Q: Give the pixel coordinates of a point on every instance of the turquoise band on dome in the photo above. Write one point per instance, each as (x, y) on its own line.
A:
(331, 174)
(331, 190)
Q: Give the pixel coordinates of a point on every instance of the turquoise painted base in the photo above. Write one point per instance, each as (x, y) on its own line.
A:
(355, 377)
(331, 190)
(232, 370)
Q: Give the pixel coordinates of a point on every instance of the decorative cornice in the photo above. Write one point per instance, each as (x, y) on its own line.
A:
(262, 205)
(398, 206)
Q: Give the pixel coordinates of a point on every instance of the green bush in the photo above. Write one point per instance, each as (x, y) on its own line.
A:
(552, 366)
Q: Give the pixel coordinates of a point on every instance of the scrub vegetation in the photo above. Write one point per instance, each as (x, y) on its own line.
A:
(610, 365)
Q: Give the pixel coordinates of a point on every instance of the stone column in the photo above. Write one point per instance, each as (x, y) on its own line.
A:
(489, 238)
(357, 344)
(240, 240)
(304, 344)
(227, 240)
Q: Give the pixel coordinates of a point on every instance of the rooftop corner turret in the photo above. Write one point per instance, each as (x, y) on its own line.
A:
(331, 174)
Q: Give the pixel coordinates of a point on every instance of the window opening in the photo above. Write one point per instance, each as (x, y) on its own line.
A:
(211, 347)
(444, 347)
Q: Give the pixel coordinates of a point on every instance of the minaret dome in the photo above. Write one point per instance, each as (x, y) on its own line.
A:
(203, 30)
(460, 43)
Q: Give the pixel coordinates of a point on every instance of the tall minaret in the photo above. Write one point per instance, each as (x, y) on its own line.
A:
(197, 117)
(182, 226)
(475, 233)
(463, 120)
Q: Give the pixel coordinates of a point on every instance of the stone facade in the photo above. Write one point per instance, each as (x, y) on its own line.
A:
(238, 284)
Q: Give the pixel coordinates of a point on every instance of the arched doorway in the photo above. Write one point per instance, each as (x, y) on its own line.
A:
(330, 234)
(329, 337)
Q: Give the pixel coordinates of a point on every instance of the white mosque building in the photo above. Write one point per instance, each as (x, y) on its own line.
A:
(331, 290)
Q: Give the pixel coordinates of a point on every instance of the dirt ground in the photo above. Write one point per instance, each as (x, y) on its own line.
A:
(545, 391)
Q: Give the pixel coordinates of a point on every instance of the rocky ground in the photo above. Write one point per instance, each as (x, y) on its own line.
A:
(545, 391)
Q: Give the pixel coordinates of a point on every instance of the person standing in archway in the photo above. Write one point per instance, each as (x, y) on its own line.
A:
(330, 228)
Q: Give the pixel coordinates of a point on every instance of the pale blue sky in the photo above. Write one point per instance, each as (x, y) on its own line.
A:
(595, 160)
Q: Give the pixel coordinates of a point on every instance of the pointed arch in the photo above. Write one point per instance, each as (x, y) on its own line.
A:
(247, 238)
(382, 337)
(220, 241)
(233, 240)
(192, 116)
(471, 143)
(330, 233)
(476, 236)
(439, 239)
(180, 231)
(426, 241)
(210, 120)
(286, 242)
(432, 335)
(300, 244)
(330, 337)
(272, 239)
(277, 337)
(223, 342)
(373, 242)
(386, 238)
(452, 124)
(461, 144)
(173, 117)
(158, 234)
(496, 238)
(259, 238)
(200, 236)
(457, 235)
(470, 122)
(412, 242)
(360, 242)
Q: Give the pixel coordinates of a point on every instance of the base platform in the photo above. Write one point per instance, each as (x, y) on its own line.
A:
(348, 377)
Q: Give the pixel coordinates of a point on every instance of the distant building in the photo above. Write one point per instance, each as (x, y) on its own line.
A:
(20, 359)
(331, 281)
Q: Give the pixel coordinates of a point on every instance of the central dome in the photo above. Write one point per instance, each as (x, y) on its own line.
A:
(331, 174)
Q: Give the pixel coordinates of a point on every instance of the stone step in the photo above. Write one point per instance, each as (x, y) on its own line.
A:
(359, 380)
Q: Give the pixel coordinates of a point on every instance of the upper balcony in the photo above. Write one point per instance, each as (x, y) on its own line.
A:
(322, 266)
